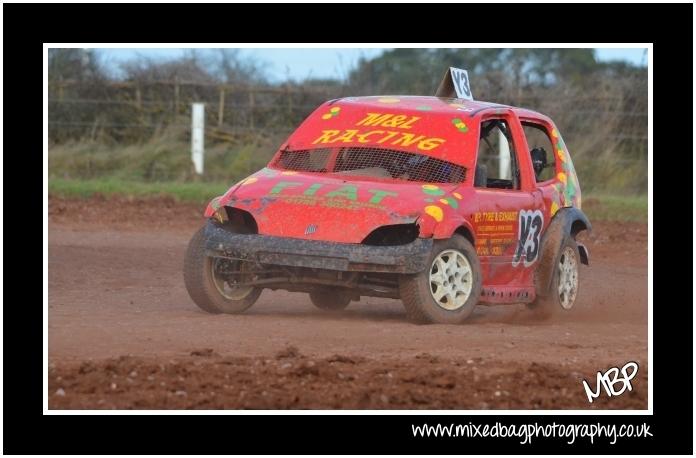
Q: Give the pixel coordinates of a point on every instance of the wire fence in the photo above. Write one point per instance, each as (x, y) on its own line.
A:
(605, 132)
(113, 107)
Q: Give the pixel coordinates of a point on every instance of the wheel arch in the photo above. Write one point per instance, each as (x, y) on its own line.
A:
(458, 226)
(236, 220)
(467, 233)
(567, 222)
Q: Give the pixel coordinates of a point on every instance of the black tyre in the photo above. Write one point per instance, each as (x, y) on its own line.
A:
(448, 290)
(210, 283)
(329, 300)
(564, 285)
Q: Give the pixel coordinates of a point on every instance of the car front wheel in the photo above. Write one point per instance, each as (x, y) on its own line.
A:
(448, 289)
(213, 283)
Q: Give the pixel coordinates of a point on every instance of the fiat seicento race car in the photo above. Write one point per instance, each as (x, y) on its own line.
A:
(444, 203)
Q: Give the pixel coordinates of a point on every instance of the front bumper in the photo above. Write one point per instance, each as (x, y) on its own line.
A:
(355, 257)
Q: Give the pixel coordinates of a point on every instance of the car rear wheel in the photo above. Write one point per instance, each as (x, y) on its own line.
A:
(564, 285)
(448, 290)
(212, 283)
(329, 300)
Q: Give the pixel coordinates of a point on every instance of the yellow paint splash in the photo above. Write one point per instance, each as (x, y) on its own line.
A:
(562, 178)
(249, 180)
(435, 212)
(554, 208)
(457, 195)
(332, 112)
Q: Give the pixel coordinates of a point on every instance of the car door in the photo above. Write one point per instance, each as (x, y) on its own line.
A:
(507, 224)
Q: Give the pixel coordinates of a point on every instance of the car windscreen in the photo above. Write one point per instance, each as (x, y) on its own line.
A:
(371, 162)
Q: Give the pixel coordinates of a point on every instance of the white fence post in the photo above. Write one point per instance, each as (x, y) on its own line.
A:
(197, 136)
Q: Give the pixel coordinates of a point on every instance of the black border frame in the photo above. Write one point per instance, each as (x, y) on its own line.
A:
(27, 27)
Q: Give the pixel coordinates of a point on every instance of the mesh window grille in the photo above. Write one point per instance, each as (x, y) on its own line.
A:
(373, 162)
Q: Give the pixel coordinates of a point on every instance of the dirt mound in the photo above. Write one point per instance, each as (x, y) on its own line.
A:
(125, 213)
(338, 382)
(115, 288)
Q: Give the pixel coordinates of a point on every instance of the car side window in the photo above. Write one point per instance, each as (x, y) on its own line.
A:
(540, 150)
(496, 164)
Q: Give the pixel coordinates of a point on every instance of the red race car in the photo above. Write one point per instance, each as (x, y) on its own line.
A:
(444, 203)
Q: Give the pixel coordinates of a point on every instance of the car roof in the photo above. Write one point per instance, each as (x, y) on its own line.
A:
(435, 105)
(438, 127)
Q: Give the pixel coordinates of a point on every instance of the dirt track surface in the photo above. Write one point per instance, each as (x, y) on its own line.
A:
(123, 332)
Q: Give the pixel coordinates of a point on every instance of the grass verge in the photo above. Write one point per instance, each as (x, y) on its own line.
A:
(598, 207)
(185, 192)
(603, 207)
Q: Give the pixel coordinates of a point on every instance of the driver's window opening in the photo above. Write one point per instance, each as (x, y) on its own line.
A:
(496, 165)
(401, 165)
(541, 151)
(373, 162)
(314, 160)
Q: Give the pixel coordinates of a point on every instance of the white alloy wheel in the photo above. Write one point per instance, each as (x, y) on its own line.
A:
(568, 278)
(451, 279)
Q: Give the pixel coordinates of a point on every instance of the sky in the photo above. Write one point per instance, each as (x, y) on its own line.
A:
(299, 63)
